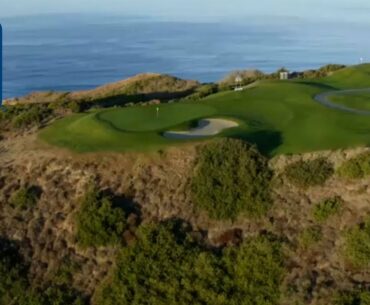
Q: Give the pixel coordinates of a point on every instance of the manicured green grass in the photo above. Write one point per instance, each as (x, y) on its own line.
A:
(279, 116)
(360, 101)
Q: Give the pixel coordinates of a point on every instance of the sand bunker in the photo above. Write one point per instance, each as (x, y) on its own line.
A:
(205, 128)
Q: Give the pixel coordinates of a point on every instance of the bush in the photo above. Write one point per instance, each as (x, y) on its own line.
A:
(357, 245)
(166, 266)
(352, 298)
(74, 107)
(203, 91)
(329, 207)
(33, 115)
(12, 273)
(54, 295)
(15, 287)
(356, 168)
(98, 222)
(231, 177)
(25, 198)
(310, 236)
(309, 173)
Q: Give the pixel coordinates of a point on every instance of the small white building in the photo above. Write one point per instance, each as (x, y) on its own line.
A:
(238, 81)
(284, 75)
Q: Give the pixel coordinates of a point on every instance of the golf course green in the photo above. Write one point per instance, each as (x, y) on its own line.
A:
(278, 116)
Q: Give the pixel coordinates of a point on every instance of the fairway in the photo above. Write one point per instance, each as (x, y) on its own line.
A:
(278, 116)
(359, 100)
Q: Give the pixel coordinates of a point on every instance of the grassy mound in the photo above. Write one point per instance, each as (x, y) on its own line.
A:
(231, 178)
(355, 77)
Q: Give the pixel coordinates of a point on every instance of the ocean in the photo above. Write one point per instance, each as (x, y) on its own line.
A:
(72, 52)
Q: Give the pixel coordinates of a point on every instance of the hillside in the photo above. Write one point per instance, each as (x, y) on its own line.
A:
(155, 188)
(100, 208)
(142, 87)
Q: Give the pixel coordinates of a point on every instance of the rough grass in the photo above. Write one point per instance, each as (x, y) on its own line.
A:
(280, 117)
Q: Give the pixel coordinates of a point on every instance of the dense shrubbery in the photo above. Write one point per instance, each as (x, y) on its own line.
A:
(309, 173)
(203, 91)
(25, 198)
(12, 269)
(352, 298)
(21, 116)
(98, 222)
(310, 236)
(32, 116)
(231, 177)
(166, 266)
(322, 72)
(356, 168)
(329, 207)
(357, 245)
(16, 289)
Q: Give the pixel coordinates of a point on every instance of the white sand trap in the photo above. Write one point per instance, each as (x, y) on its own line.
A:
(205, 128)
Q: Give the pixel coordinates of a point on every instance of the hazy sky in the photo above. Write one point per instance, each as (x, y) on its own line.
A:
(353, 10)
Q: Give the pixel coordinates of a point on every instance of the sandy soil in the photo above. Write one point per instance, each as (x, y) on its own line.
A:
(205, 128)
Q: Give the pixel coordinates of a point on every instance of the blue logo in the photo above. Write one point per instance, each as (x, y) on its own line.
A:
(1, 65)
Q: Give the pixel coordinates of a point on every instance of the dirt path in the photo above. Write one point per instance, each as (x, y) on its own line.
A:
(324, 99)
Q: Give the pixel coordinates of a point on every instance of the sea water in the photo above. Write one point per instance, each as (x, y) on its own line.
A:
(72, 52)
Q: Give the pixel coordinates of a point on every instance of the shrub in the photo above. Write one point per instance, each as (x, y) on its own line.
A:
(74, 107)
(310, 236)
(309, 173)
(352, 298)
(356, 168)
(231, 177)
(12, 270)
(25, 198)
(33, 115)
(98, 222)
(166, 266)
(323, 210)
(54, 295)
(15, 287)
(357, 245)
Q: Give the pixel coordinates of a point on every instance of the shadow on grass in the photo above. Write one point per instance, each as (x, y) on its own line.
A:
(267, 141)
(123, 99)
(317, 85)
